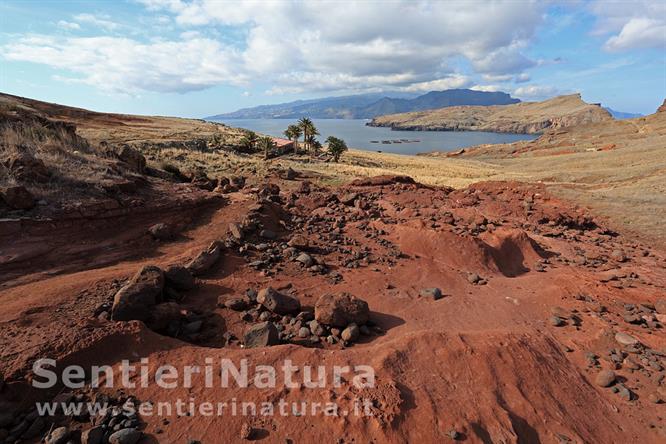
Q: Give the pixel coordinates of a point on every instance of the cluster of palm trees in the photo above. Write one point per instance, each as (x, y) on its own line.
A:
(251, 142)
(304, 127)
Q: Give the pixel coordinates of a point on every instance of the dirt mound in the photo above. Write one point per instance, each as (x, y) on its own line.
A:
(534, 299)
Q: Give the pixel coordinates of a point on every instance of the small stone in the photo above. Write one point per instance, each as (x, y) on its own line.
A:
(303, 332)
(556, 321)
(605, 378)
(246, 432)
(351, 333)
(125, 436)
(434, 293)
(236, 231)
(305, 259)
(261, 335)
(473, 278)
(93, 436)
(58, 436)
(239, 303)
(161, 231)
(267, 234)
(626, 339)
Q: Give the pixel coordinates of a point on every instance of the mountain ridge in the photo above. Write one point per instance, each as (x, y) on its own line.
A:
(368, 106)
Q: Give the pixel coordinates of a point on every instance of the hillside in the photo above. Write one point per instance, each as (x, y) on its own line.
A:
(367, 106)
(521, 118)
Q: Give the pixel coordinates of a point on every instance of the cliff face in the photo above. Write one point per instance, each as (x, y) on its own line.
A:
(523, 118)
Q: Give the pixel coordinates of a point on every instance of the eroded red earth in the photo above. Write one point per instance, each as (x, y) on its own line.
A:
(534, 291)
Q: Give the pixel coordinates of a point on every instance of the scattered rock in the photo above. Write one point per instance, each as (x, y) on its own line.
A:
(58, 436)
(277, 302)
(246, 432)
(163, 315)
(268, 234)
(93, 436)
(434, 293)
(351, 333)
(473, 278)
(179, 278)
(556, 321)
(305, 259)
(236, 231)
(660, 305)
(605, 378)
(238, 303)
(161, 231)
(261, 335)
(134, 300)
(626, 339)
(299, 241)
(133, 158)
(125, 436)
(341, 310)
(206, 259)
(18, 198)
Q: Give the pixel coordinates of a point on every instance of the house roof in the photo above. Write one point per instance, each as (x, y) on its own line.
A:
(282, 142)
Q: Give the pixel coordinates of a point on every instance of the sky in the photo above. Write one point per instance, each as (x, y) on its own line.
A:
(194, 58)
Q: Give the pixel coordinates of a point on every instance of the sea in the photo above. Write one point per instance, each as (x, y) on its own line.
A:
(357, 135)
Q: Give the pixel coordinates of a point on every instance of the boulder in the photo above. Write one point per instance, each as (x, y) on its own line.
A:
(348, 199)
(162, 315)
(135, 300)
(18, 198)
(161, 231)
(179, 278)
(206, 259)
(341, 310)
(261, 335)
(133, 158)
(299, 241)
(26, 167)
(277, 302)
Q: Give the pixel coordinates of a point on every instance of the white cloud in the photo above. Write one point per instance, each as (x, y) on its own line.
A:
(631, 25)
(639, 33)
(99, 21)
(123, 65)
(69, 26)
(295, 46)
(538, 92)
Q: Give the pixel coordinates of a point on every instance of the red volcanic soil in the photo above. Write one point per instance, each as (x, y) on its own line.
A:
(534, 292)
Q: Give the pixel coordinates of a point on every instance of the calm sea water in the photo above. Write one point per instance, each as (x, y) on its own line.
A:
(357, 135)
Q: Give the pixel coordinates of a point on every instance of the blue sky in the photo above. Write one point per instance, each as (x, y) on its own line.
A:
(195, 58)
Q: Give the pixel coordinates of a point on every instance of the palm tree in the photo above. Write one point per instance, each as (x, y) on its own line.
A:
(336, 147)
(249, 141)
(308, 130)
(267, 144)
(296, 132)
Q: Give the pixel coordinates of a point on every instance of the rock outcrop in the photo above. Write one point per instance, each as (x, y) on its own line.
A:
(520, 118)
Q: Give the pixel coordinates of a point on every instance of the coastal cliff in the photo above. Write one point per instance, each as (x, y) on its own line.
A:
(520, 118)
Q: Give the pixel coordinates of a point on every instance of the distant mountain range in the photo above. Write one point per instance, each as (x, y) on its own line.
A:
(367, 106)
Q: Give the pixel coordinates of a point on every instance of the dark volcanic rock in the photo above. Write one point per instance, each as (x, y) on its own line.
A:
(261, 335)
(341, 310)
(277, 302)
(179, 278)
(206, 259)
(134, 300)
(18, 198)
